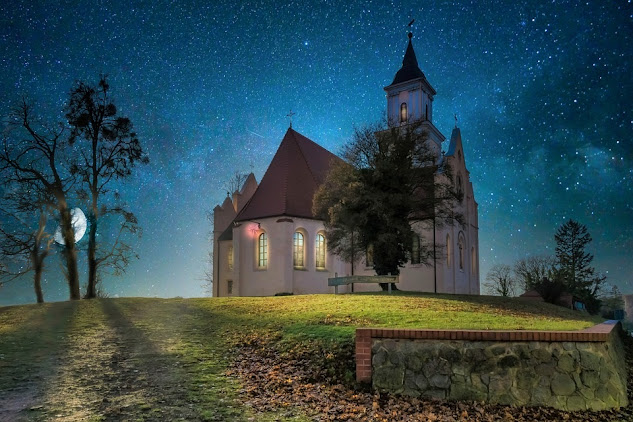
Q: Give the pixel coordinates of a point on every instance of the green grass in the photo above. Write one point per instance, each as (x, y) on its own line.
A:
(166, 359)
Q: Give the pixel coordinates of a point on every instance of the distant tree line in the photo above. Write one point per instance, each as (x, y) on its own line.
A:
(48, 169)
(569, 270)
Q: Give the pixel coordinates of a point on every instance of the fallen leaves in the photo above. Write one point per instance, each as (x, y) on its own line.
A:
(310, 378)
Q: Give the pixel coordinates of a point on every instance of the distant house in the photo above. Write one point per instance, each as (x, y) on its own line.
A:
(267, 241)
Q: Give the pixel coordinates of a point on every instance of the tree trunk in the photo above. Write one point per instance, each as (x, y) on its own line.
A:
(92, 217)
(38, 257)
(37, 282)
(91, 291)
(69, 252)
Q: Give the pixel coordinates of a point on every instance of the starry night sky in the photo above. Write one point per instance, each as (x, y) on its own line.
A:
(543, 93)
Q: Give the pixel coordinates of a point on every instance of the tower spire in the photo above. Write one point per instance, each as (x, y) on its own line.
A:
(410, 68)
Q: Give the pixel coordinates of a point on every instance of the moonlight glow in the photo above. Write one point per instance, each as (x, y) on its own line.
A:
(79, 225)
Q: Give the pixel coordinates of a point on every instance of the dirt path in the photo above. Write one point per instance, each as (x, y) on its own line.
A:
(108, 361)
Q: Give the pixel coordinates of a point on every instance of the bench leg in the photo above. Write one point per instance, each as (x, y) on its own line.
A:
(389, 288)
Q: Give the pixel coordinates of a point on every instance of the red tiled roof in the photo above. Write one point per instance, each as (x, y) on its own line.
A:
(293, 176)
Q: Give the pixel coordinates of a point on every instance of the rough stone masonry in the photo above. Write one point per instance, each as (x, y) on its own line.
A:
(567, 375)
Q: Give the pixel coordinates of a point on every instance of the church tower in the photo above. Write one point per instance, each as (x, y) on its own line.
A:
(410, 96)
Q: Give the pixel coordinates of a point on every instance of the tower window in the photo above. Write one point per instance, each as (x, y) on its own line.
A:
(404, 114)
(262, 249)
(230, 257)
(415, 249)
(369, 256)
(449, 250)
(460, 244)
(459, 186)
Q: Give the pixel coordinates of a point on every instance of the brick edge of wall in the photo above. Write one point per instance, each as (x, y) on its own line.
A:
(364, 337)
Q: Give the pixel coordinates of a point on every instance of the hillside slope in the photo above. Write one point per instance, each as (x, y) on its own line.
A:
(171, 359)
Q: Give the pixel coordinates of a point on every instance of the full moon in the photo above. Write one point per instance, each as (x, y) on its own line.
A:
(79, 225)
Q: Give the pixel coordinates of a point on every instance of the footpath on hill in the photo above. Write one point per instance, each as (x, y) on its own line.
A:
(214, 360)
(113, 360)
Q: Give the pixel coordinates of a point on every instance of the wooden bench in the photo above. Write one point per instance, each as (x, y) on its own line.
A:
(344, 281)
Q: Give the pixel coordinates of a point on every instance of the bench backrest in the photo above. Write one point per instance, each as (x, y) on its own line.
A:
(341, 281)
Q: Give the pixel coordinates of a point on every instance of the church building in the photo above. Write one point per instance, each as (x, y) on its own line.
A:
(267, 241)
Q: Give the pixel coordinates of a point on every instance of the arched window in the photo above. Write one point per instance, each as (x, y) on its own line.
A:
(298, 250)
(230, 257)
(369, 256)
(320, 251)
(262, 250)
(449, 250)
(460, 244)
(473, 261)
(459, 185)
(415, 249)
(403, 113)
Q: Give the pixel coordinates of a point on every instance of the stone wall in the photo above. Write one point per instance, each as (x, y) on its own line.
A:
(568, 375)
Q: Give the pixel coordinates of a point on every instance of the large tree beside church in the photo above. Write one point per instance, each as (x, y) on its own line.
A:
(391, 177)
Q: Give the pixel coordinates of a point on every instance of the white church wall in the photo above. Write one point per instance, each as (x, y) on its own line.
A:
(253, 279)
(309, 279)
(280, 274)
(225, 273)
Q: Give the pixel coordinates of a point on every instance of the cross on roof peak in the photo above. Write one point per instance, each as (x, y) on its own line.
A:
(289, 115)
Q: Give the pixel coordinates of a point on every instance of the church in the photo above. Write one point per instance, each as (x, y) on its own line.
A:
(267, 241)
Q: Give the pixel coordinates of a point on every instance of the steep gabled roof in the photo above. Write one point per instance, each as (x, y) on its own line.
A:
(410, 68)
(293, 176)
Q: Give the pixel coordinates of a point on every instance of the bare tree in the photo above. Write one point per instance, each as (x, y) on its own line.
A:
(33, 163)
(207, 274)
(117, 255)
(531, 271)
(22, 244)
(235, 182)
(499, 280)
(109, 149)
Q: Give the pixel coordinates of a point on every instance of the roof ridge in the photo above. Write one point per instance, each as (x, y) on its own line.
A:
(284, 187)
(288, 186)
(303, 155)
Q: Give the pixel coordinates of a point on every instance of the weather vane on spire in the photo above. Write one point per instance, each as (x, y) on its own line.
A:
(411, 28)
(455, 120)
(289, 115)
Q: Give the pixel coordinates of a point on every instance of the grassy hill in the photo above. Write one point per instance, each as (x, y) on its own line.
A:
(170, 359)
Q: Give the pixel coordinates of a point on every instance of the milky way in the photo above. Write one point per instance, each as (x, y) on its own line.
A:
(543, 94)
